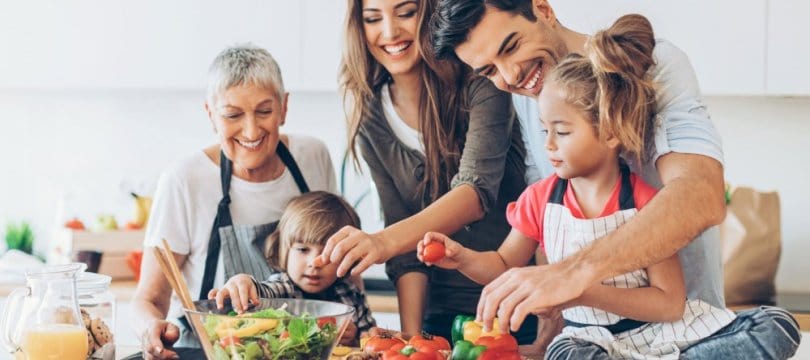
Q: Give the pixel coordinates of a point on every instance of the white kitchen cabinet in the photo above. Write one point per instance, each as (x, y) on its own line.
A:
(724, 39)
(788, 72)
(138, 44)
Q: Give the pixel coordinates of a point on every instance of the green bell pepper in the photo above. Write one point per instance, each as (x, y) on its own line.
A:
(457, 331)
(465, 350)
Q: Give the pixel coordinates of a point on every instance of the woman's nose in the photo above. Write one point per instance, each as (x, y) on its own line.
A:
(390, 29)
(250, 128)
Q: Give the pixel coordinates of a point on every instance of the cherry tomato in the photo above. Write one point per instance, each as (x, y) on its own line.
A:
(393, 355)
(379, 343)
(326, 320)
(284, 335)
(433, 252)
(429, 343)
(229, 340)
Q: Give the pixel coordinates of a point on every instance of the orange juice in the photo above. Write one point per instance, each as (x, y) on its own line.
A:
(55, 341)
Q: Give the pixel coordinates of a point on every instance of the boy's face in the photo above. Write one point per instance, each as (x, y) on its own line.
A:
(514, 52)
(309, 278)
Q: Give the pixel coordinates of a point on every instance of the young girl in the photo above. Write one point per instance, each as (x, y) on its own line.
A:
(307, 222)
(595, 110)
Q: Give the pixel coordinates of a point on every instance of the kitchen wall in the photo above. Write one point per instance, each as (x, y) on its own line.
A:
(79, 152)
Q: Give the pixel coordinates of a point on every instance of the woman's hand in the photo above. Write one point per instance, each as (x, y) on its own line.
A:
(354, 250)
(242, 291)
(159, 335)
(452, 251)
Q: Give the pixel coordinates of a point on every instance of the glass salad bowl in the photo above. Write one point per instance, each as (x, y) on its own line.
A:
(273, 329)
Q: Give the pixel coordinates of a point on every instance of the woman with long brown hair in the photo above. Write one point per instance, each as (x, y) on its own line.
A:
(444, 152)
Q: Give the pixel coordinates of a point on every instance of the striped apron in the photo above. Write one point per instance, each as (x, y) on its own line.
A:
(565, 235)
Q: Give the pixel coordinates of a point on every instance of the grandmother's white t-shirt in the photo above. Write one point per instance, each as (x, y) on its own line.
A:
(185, 204)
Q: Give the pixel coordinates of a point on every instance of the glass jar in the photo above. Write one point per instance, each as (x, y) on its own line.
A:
(97, 305)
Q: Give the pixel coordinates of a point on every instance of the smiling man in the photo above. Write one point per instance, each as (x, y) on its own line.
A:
(514, 44)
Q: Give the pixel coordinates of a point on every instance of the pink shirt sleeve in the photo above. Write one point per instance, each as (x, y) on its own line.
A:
(642, 192)
(526, 214)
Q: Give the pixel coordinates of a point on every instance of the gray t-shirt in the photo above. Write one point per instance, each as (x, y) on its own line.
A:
(683, 125)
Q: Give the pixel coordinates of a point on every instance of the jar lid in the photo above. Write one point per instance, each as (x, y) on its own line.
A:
(88, 282)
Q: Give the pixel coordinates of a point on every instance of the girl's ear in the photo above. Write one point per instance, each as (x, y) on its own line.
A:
(613, 142)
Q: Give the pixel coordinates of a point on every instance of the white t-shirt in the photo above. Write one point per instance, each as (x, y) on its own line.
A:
(185, 204)
(409, 136)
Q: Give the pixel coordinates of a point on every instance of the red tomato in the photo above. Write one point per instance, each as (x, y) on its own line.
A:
(393, 355)
(229, 340)
(425, 356)
(433, 252)
(429, 343)
(74, 224)
(284, 335)
(326, 320)
(491, 354)
(503, 342)
(379, 343)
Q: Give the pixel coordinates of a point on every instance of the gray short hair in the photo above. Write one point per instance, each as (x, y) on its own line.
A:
(244, 64)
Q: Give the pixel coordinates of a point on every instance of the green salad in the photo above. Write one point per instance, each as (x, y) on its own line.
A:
(270, 334)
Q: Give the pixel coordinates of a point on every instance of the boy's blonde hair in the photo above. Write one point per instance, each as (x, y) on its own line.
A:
(611, 84)
(311, 219)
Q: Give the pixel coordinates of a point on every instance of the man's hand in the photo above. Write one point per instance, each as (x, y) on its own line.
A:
(529, 290)
(354, 250)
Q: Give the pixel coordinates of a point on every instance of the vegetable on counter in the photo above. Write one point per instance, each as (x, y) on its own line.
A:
(466, 328)
(470, 342)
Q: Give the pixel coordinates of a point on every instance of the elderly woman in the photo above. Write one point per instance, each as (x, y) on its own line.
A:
(216, 207)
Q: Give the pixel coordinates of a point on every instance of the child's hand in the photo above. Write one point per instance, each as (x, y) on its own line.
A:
(349, 335)
(240, 289)
(452, 251)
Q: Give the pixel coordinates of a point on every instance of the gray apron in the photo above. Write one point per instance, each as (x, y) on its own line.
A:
(242, 246)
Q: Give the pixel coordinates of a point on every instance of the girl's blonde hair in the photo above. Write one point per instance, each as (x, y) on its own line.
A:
(311, 219)
(612, 86)
(443, 106)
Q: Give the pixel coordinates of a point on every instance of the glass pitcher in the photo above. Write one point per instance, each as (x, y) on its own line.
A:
(42, 320)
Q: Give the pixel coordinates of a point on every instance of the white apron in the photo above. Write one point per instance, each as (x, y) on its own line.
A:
(564, 235)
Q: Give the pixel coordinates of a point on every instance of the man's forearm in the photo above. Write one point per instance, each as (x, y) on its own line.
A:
(688, 204)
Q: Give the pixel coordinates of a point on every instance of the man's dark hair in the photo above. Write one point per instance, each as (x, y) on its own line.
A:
(453, 20)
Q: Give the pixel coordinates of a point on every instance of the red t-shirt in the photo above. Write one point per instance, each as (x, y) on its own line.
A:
(526, 214)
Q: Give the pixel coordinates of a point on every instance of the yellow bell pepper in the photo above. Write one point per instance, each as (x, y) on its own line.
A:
(473, 330)
(251, 327)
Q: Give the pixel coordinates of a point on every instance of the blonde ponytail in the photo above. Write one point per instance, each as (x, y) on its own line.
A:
(621, 57)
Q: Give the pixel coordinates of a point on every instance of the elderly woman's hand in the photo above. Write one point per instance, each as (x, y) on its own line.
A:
(354, 250)
(159, 335)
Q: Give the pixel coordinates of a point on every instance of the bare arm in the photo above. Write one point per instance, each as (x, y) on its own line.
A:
(662, 301)
(693, 184)
(483, 267)
(411, 295)
(151, 302)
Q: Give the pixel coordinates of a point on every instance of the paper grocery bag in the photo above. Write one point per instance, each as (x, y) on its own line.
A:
(751, 241)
